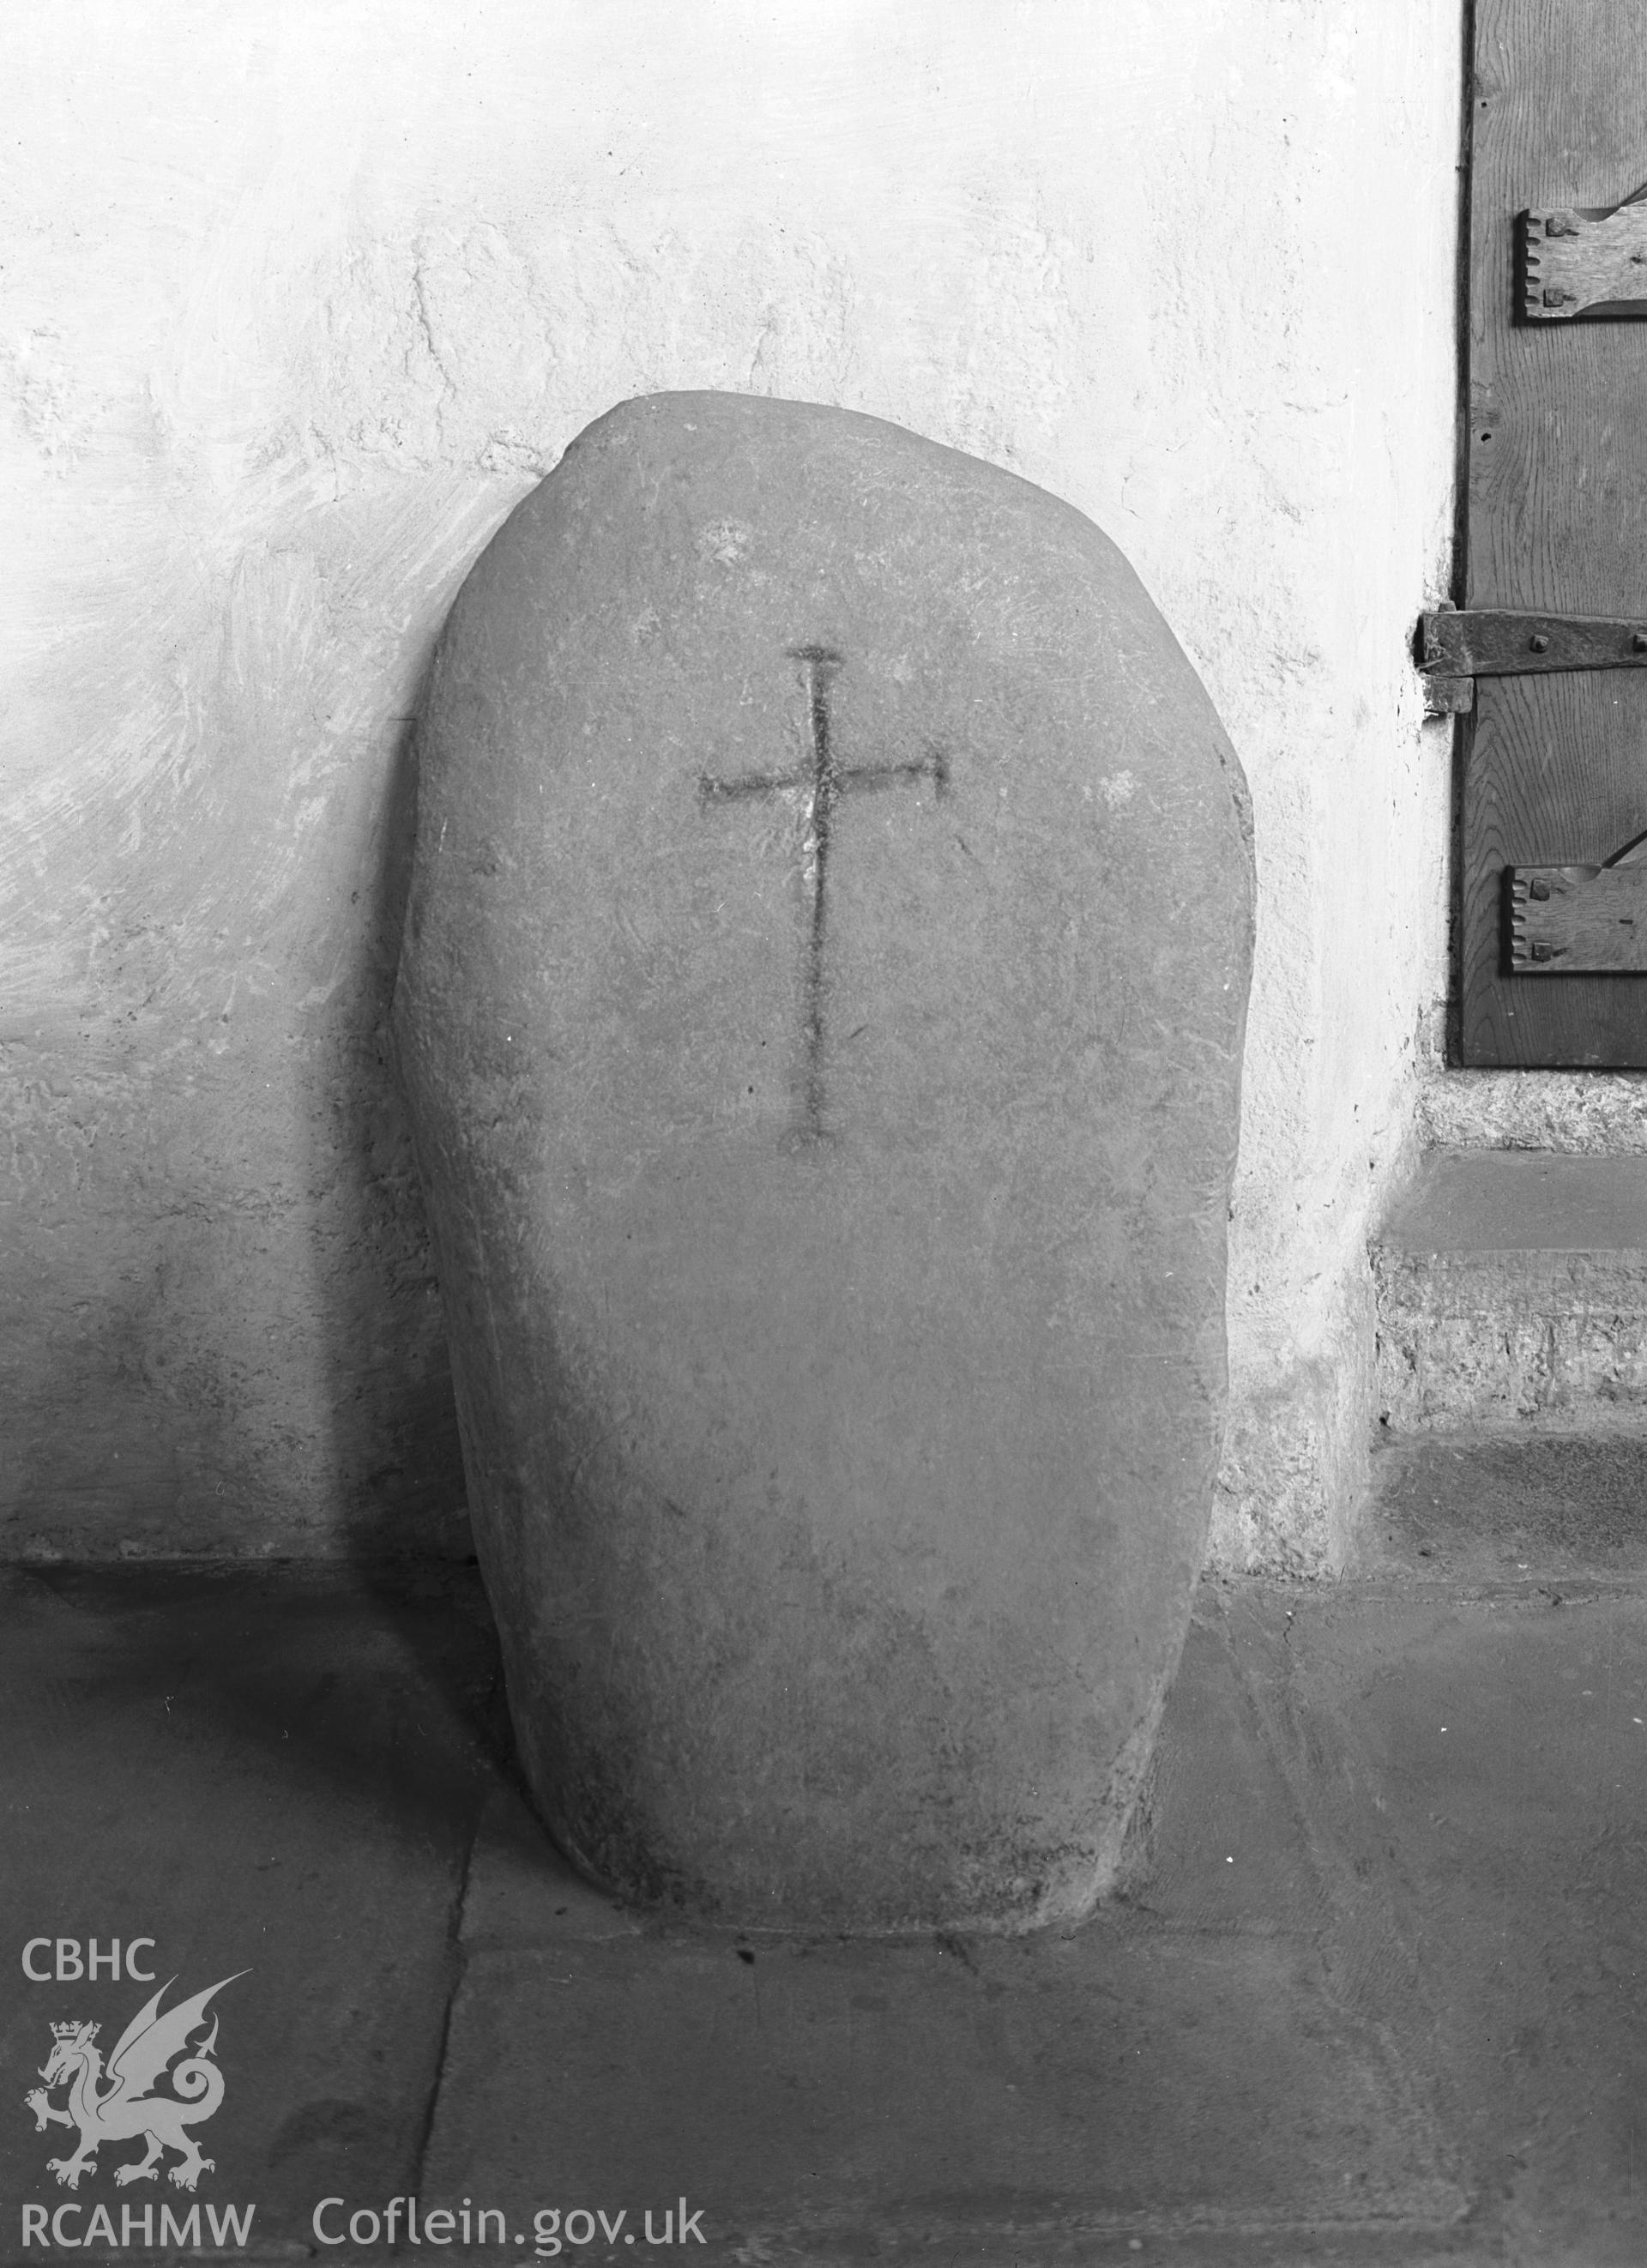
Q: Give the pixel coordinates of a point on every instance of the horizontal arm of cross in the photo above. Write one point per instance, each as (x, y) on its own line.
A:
(729, 790)
(933, 767)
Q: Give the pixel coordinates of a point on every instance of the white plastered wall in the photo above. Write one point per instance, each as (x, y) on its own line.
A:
(298, 299)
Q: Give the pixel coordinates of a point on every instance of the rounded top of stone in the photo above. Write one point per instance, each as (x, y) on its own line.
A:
(701, 413)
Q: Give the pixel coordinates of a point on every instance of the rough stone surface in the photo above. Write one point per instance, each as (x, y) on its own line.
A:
(1595, 1113)
(1493, 1506)
(1512, 1291)
(822, 1007)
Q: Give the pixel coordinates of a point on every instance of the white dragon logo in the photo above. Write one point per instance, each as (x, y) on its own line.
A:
(142, 2053)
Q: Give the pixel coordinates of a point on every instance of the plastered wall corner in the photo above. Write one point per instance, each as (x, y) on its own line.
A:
(1294, 1472)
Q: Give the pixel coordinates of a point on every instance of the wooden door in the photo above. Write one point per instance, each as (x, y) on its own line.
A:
(1555, 766)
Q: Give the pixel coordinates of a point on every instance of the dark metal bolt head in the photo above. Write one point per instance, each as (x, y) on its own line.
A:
(1539, 643)
(1537, 889)
(1540, 953)
(1638, 641)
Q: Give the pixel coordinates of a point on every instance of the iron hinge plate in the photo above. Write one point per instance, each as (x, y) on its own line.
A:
(1456, 643)
(1571, 921)
(1587, 260)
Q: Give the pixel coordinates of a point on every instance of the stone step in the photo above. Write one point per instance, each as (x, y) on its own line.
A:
(1512, 1293)
(1560, 1512)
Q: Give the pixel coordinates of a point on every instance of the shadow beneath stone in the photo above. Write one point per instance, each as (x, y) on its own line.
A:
(278, 1779)
(396, 1454)
(379, 1689)
(395, 1449)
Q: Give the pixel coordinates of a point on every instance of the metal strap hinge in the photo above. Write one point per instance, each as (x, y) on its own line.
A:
(1456, 646)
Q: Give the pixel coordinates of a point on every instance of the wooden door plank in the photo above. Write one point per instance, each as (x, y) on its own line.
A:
(1554, 768)
(1548, 781)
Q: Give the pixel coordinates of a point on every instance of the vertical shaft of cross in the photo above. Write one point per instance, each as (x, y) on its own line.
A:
(822, 782)
(826, 788)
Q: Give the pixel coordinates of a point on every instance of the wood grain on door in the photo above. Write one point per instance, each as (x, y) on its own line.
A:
(1554, 765)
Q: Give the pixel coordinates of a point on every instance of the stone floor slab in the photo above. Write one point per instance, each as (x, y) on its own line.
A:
(1377, 1993)
(274, 1772)
(1490, 1789)
(1184, 2066)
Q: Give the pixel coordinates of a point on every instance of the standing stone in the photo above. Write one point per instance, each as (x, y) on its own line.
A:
(822, 1009)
